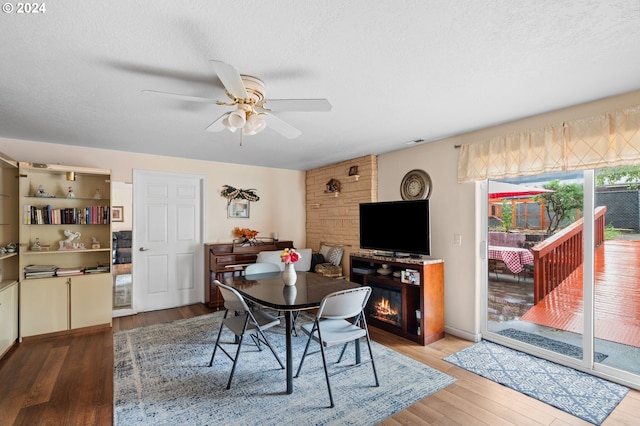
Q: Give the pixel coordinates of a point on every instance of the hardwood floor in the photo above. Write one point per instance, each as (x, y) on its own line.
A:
(68, 380)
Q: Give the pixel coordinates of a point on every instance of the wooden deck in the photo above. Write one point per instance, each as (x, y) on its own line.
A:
(617, 305)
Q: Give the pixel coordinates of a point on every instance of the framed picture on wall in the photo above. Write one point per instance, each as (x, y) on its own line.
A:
(117, 214)
(238, 209)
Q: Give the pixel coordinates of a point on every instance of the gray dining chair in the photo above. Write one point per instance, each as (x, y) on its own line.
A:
(331, 326)
(242, 322)
(261, 268)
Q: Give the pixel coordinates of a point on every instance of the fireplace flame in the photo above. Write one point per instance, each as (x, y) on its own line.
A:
(383, 308)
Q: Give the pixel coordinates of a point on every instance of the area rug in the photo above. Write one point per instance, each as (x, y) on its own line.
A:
(580, 394)
(161, 377)
(550, 344)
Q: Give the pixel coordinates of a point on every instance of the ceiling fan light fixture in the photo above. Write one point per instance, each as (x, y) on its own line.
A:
(228, 125)
(238, 118)
(256, 123)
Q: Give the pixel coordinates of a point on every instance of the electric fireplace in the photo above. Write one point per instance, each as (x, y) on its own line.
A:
(413, 309)
(385, 304)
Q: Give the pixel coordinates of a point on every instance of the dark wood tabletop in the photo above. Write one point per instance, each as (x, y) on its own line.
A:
(269, 290)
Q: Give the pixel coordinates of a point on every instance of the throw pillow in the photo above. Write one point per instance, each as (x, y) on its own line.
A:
(332, 255)
(316, 259)
(335, 256)
(324, 251)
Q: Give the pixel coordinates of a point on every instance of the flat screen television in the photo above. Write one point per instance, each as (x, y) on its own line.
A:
(401, 227)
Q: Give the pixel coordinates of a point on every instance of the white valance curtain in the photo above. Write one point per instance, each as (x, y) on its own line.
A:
(605, 140)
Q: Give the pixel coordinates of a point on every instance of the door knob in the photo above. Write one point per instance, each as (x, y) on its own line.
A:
(143, 249)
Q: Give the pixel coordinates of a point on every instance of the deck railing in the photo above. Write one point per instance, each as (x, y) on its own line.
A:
(555, 258)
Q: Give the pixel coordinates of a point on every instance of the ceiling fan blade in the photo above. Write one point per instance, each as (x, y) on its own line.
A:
(230, 78)
(182, 97)
(296, 105)
(217, 125)
(285, 129)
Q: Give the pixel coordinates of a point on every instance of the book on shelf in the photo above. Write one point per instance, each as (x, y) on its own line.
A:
(91, 215)
(96, 269)
(39, 271)
(29, 275)
(63, 272)
(40, 268)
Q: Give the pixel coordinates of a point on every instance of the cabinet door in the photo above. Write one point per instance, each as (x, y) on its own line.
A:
(8, 317)
(44, 306)
(91, 300)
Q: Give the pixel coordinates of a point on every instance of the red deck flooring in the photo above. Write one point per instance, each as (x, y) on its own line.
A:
(617, 289)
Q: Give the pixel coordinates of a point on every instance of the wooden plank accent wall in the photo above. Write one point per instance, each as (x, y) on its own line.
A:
(335, 219)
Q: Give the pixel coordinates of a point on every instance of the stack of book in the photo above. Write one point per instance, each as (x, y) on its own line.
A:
(96, 269)
(39, 271)
(64, 272)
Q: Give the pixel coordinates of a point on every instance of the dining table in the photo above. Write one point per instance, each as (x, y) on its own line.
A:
(514, 257)
(268, 290)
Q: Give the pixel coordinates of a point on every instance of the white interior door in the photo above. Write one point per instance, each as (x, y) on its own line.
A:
(167, 240)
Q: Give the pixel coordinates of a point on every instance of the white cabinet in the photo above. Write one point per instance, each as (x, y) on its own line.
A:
(90, 300)
(62, 303)
(44, 306)
(67, 211)
(8, 316)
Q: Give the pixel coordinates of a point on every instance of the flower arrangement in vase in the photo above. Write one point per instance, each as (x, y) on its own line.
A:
(289, 257)
(247, 235)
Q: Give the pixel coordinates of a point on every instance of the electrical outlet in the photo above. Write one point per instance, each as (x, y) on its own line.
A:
(457, 240)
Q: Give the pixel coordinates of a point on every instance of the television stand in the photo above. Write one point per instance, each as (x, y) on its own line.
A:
(411, 291)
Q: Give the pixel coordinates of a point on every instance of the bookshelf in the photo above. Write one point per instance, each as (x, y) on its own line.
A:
(8, 260)
(64, 248)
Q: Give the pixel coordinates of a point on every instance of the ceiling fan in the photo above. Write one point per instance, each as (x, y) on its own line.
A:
(252, 111)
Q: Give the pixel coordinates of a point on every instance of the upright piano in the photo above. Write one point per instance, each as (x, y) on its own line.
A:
(223, 260)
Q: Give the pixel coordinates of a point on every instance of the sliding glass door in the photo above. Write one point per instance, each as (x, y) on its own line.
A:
(547, 289)
(616, 291)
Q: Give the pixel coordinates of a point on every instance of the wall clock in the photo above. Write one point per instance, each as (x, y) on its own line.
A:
(416, 185)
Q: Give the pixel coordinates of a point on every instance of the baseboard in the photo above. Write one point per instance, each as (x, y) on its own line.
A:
(82, 330)
(463, 334)
(123, 312)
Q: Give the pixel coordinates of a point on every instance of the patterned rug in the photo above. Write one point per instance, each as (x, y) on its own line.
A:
(550, 344)
(161, 377)
(580, 394)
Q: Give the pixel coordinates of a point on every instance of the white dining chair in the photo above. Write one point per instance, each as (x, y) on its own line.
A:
(265, 267)
(261, 268)
(244, 320)
(331, 326)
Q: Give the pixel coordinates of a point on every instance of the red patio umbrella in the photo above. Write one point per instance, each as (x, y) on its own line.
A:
(507, 190)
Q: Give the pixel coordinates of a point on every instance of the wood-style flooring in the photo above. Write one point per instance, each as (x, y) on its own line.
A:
(617, 297)
(68, 380)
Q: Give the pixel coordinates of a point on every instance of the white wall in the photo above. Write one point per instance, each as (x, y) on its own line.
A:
(122, 196)
(281, 207)
(455, 208)
(452, 212)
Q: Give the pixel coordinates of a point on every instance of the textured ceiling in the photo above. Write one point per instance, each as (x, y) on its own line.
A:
(393, 71)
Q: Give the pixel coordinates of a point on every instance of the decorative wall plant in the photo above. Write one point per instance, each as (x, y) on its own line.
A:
(231, 193)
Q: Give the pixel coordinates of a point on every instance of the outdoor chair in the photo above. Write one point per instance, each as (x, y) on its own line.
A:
(244, 320)
(331, 327)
